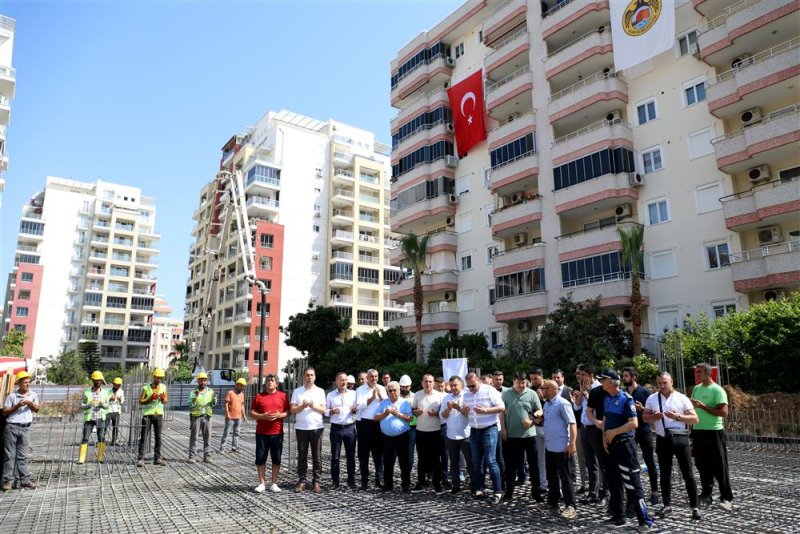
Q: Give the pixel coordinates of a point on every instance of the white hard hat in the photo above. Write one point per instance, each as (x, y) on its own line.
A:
(405, 380)
(351, 379)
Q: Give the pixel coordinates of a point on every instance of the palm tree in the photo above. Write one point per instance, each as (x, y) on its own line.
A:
(633, 255)
(415, 251)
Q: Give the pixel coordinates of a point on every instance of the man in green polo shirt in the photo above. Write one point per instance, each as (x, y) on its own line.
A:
(518, 431)
(708, 437)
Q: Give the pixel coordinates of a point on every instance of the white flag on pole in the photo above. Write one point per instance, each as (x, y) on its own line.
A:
(454, 367)
(640, 30)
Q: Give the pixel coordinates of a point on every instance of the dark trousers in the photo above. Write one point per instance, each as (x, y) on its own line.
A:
(645, 442)
(343, 435)
(595, 456)
(623, 475)
(87, 430)
(429, 449)
(711, 456)
(396, 447)
(560, 472)
(500, 458)
(314, 439)
(517, 449)
(112, 422)
(155, 422)
(370, 441)
(665, 453)
(455, 448)
(443, 456)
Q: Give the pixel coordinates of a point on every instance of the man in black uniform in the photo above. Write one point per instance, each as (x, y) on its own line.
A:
(644, 437)
(593, 433)
(622, 466)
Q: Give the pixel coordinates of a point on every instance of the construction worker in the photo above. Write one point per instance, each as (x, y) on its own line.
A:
(201, 402)
(234, 415)
(94, 403)
(152, 400)
(18, 410)
(115, 401)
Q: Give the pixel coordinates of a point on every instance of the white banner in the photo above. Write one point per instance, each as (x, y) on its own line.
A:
(454, 367)
(640, 30)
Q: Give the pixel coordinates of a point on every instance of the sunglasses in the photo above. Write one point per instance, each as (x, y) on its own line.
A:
(472, 386)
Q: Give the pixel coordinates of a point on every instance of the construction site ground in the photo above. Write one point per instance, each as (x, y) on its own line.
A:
(116, 496)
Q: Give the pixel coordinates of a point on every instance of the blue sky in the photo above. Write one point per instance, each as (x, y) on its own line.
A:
(145, 93)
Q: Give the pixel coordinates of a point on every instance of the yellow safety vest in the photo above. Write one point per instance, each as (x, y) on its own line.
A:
(88, 398)
(155, 407)
(202, 402)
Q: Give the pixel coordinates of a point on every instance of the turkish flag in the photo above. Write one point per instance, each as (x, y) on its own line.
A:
(466, 101)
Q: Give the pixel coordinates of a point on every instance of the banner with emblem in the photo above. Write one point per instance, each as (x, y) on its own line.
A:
(466, 101)
(640, 30)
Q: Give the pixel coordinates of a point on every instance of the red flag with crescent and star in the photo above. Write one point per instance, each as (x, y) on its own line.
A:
(466, 101)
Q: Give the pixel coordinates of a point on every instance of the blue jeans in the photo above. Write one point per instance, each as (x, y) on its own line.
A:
(483, 444)
(343, 435)
(412, 444)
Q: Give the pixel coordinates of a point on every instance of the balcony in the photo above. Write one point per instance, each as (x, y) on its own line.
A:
(504, 20)
(420, 215)
(591, 52)
(520, 307)
(510, 94)
(441, 240)
(772, 138)
(511, 130)
(766, 267)
(431, 322)
(339, 280)
(517, 174)
(614, 290)
(590, 139)
(422, 172)
(370, 241)
(259, 182)
(756, 81)
(431, 283)
(708, 8)
(424, 102)
(590, 242)
(424, 135)
(524, 216)
(594, 96)
(518, 259)
(596, 195)
(434, 71)
(5, 110)
(568, 18)
(771, 203)
(509, 54)
(8, 81)
(264, 207)
(343, 197)
(342, 237)
(242, 319)
(746, 26)
(343, 177)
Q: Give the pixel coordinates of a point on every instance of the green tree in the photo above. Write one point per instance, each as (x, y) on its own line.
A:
(315, 332)
(633, 255)
(647, 369)
(111, 374)
(522, 346)
(415, 252)
(13, 343)
(90, 352)
(67, 368)
(181, 371)
(180, 350)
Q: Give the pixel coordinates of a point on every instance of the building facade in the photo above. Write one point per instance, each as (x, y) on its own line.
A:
(698, 144)
(165, 334)
(8, 82)
(317, 201)
(90, 250)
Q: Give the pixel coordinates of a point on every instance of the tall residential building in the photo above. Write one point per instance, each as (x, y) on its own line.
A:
(317, 200)
(165, 333)
(88, 251)
(698, 144)
(8, 82)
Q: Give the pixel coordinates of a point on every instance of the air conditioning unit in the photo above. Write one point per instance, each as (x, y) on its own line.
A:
(448, 296)
(623, 211)
(524, 326)
(607, 72)
(512, 117)
(636, 179)
(450, 161)
(742, 61)
(450, 62)
(317, 214)
(750, 115)
(768, 235)
(516, 197)
(774, 294)
(318, 171)
(758, 174)
(627, 315)
(520, 239)
(452, 199)
(450, 221)
(315, 256)
(450, 127)
(615, 116)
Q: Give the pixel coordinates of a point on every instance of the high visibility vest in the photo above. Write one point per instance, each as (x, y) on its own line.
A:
(155, 407)
(202, 402)
(88, 398)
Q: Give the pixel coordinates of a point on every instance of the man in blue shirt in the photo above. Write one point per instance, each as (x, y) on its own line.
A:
(622, 467)
(394, 415)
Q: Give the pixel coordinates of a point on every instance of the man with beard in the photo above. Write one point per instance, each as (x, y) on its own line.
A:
(644, 438)
(537, 381)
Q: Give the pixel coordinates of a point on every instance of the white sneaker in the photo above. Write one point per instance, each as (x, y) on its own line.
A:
(274, 488)
(260, 488)
(726, 505)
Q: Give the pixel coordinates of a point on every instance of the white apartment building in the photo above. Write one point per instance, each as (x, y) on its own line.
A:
(85, 270)
(8, 82)
(166, 332)
(317, 199)
(698, 144)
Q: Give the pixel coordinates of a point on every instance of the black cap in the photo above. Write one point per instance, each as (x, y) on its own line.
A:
(608, 373)
(537, 371)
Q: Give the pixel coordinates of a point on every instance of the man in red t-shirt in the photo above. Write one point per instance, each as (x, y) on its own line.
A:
(269, 409)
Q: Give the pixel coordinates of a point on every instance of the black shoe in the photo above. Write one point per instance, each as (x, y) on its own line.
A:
(654, 498)
(418, 489)
(406, 490)
(379, 485)
(351, 485)
(706, 500)
(438, 490)
(455, 490)
(591, 499)
(335, 485)
(618, 521)
(581, 490)
(602, 503)
(364, 486)
(446, 484)
(696, 514)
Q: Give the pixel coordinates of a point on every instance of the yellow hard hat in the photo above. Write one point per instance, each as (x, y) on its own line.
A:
(158, 372)
(242, 381)
(21, 375)
(202, 375)
(118, 381)
(97, 375)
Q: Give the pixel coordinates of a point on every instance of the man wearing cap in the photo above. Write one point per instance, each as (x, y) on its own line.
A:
(407, 395)
(116, 399)
(234, 415)
(351, 382)
(340, 406)
(368, 431)
(201, 403)
(483, 406)
(18, 410)
(622, 466)
(537, 382)
(152, 400)
(94, 405)
(426, 406)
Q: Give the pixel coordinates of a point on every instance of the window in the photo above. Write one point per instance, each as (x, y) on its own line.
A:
(721, 309)
(317, 189)
(646, 112)
(787, 175)
(662, 264)
(466, 262)
(491, 295)
(718, 255)
(496, 339)
(491, 252)
(267, 240)
(658, 211)
(694, 93)
(595, 269)
(686, 41)
(459, 49)
(22, 311)
(794, 240)
(464, 223)
(522, 283)
(607, 161)
(651, 160)
(524, 146)
(700, 143)
(24, 294)
(266, 263)
(466, 300)
(462, 185)
(708, 197)
(315, 228)
(666, 318)
(20, 327)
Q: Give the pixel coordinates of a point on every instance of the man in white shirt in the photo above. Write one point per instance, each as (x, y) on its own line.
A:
(340, 406)
(18, 410)
(483, 406)
(308, 405)
(673, 410)
(368, 430)
(426, 406)
(456, 431)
